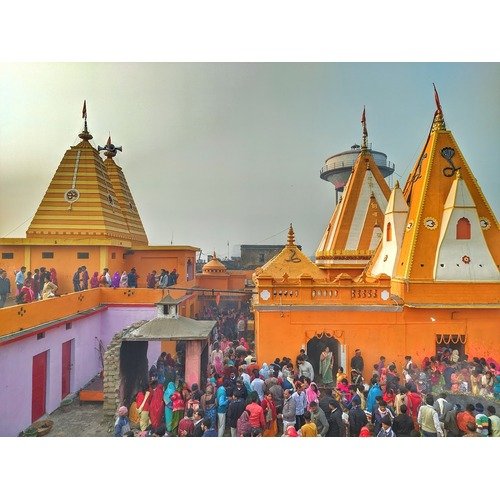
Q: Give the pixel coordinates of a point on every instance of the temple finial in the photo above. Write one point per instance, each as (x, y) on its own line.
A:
(438, 122)
(110, 149)
(291, 236)
(365, 131)
(85, 134)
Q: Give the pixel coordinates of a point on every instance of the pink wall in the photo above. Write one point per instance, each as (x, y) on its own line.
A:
(16, 361)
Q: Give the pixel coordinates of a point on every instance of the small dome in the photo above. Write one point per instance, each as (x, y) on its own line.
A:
(214, 266)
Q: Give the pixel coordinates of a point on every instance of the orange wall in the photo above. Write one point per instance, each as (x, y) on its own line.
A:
(393, 335)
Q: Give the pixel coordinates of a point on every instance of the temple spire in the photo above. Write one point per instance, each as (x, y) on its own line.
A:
(365, 131)
(85, 134)
(291, 236)
(438, 122)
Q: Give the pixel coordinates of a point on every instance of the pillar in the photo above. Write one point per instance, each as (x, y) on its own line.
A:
(193, 362)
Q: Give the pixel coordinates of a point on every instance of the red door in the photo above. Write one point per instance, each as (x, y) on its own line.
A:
(66, 369)
(39, 385)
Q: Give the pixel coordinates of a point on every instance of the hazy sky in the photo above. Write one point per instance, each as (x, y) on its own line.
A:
(231, 152)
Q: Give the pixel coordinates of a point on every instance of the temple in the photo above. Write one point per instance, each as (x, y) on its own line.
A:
(398, 271)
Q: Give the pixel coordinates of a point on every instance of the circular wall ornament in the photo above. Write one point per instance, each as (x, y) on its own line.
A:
(409, 225)
(265, 294)
(71, 195)
(466, 259)
(484, 223)
(430, 223)
(384, 295)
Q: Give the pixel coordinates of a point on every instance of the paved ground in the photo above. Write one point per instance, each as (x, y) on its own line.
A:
(80, 420)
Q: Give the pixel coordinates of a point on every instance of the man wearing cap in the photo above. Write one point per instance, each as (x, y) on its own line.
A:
(386, 430)
(481, 420)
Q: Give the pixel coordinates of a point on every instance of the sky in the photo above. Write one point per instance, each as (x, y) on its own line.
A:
(222, 154)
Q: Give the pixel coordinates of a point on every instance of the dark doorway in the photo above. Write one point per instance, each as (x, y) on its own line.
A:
(450, 342)
(314, 348)
(133, 369)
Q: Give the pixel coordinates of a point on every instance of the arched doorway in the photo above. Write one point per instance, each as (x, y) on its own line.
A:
(314, 348)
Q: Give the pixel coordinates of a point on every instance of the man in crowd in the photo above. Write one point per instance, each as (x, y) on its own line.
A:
(318, 417)
(288, 414)
(357, 363)
(20, 278)
(428, 419)
(4, 287)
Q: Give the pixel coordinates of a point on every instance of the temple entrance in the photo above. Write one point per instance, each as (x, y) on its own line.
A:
(314, 348)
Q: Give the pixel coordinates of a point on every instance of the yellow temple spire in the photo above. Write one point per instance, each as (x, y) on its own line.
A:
(85, 134)
(438, 122)
(291, 236)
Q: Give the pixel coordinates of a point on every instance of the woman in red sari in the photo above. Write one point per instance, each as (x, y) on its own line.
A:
(157, 406)
(271, 428)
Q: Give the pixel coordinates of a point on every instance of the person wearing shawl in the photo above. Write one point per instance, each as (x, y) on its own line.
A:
(157, 405)
(312, 393)
(374, 391)
(326, 366)
(243, 426)
(143, 401)
(124, 280)
(115, 280)
(207, 403)
(244, 343)
(178, 407)
(216, 358)
(264, 371)
(270, 415)
(169, 405)
(94, 281)
(53, 276)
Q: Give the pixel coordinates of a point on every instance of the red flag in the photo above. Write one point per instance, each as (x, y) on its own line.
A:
(84, 110)
(436, 98)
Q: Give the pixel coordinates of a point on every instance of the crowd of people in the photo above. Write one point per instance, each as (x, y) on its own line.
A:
(240, 398)
(29, 286)
(42, 283)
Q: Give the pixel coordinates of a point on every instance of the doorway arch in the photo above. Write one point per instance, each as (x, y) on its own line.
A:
(314, 348)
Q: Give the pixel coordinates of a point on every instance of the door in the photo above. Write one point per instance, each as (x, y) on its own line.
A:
(66, 369)
(39, 386)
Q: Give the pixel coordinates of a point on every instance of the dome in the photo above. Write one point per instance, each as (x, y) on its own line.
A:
(214, 266)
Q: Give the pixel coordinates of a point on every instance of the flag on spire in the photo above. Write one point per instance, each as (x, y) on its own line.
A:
(436, 98)
(84, 110)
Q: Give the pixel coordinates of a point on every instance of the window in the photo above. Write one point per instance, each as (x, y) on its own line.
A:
(40, 336)
(113, 255)
(69, 326)
(463, 229)
(82, 255)
(388, 236)
(47, 255)
(8, 255)
(261, 257)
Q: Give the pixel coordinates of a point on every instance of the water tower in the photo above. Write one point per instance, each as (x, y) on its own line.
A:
(338, 167)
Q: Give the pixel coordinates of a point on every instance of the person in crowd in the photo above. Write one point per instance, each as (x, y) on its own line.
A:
(124, 280)
(222, 406)
(357, 419)
(482, 422)
(428, 419)
(494, 422)
(122, 423)
(208, 404)
(20, 278)
(94, 281)
(49, 288)
(386, 429)
(4, 287)
(157, 405)
(208, 430)
(84, 278)
(256, 413)
(336, 426)
(465, 417)
(305, 368)
(132, 278)
(308, 429)
(300, 399)
(357, 362)
(270, 415)
(289, 412)
(151, 279)
(318, 417)
(186, 424)
(198, 417)
(115, 280)
(143, 401)
(326, 366)
(243, 425)
(375, 390)
(403, 424)
(76, 280)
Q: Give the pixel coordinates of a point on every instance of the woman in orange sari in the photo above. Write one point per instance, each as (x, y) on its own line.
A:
(270, 415)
